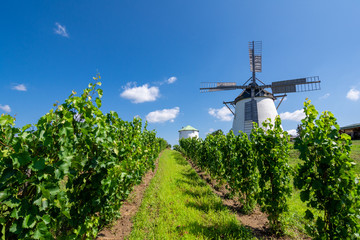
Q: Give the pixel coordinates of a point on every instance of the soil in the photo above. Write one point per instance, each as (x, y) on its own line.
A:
(123, 226)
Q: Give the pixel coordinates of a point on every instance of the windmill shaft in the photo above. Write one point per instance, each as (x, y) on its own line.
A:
(253, 64)
(253, 73)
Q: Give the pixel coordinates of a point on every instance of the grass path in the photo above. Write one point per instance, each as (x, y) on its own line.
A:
(355, 154)
(179, 205)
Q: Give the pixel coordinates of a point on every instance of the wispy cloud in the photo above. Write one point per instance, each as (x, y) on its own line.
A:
(297, 115)
(61, 30)
(19, 87)
(140, 94)
(223, 114)
(353, 94)
(164, 115)
(325, 96)
(171, 80)
(210, 131)
(292, 132)
(5, 108)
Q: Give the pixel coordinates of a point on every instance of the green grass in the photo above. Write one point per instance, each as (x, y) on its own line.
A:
(179, 205)
(355, 154)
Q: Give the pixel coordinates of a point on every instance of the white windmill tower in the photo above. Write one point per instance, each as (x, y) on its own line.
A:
(255, 104)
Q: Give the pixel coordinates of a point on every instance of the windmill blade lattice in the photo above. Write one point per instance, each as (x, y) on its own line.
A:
(255, 52)
(296, 85)
(218, 86)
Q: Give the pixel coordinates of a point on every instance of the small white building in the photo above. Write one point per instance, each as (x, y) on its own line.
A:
(188, 132)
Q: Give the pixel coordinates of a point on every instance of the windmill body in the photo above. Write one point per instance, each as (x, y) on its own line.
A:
(243, 121)
(255, 104)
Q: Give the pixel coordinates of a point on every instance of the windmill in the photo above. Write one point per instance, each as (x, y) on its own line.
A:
(255, 104)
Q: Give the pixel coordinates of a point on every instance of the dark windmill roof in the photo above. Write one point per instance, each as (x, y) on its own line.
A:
(258, 93)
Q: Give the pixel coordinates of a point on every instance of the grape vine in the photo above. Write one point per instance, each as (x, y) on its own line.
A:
(326, 177)
(68, 175)
(271, 151)
(258, 170)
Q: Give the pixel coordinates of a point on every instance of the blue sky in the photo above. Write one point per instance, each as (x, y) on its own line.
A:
(152, 56)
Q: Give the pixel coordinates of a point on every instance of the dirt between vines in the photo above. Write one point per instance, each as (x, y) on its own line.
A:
(123, 226)
(257, 222)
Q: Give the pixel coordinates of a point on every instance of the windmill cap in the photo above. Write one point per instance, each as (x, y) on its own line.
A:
(188, 128)
(258, 93)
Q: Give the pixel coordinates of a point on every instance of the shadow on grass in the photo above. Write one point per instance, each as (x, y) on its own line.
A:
(179, 159)
(225, 231)
(206, 206)
(192, 175)
(194, 194)
(191, 178)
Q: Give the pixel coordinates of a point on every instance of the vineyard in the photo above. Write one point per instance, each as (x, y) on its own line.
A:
(67, 176)
(257, 169)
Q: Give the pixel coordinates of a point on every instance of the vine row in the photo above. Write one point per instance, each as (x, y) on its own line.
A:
(67, 176)
(256, 167)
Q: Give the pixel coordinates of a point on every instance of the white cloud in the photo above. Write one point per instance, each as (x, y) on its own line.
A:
(164, 115)
(171, 80)
(325, 96)
(61, 30)
(5, 108)
(223, 114)
(20, 87)
(294, 116)
(353, 94)
(140, 94)
(292, 132)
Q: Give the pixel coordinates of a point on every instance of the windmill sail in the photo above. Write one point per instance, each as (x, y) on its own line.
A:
(296, 85)
(255, 49)
(218, 86)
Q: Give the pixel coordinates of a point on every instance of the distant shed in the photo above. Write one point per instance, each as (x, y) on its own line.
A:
(188, 132)
(353, 130)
